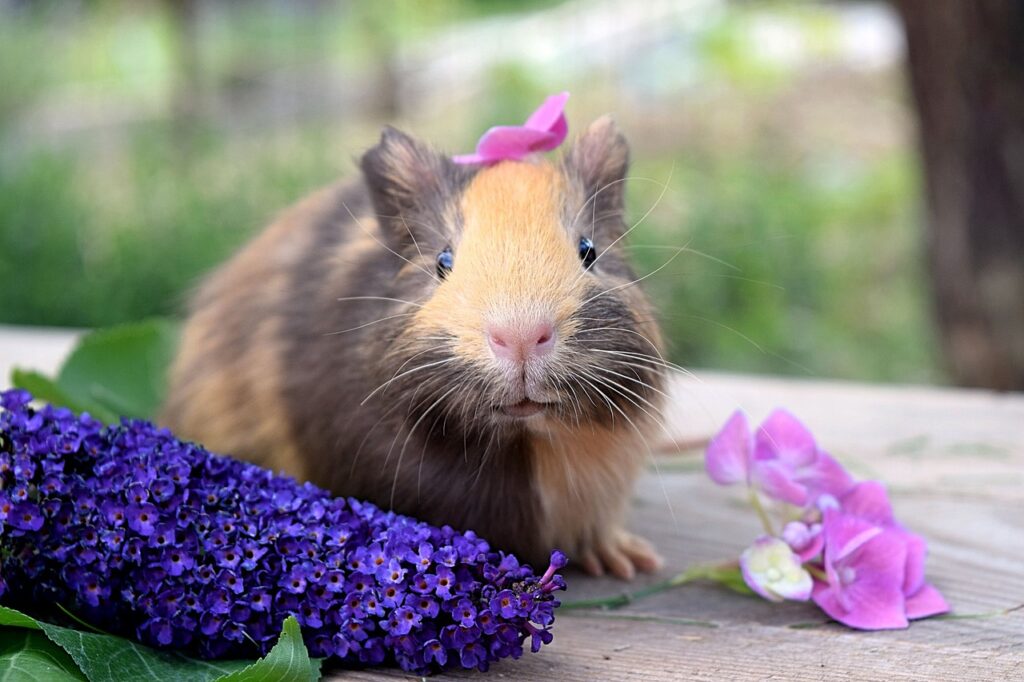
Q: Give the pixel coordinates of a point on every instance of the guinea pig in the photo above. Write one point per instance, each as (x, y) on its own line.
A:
(463, 344)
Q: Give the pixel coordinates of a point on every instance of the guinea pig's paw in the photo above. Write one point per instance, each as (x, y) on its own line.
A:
(622, 554)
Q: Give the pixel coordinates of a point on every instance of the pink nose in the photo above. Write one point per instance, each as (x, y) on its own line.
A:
(520, 342)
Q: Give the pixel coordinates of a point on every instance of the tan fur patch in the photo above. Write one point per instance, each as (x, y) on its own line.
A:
(514, 260)
(584, 476)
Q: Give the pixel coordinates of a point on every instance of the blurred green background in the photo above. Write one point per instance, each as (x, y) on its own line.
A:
(142, 142)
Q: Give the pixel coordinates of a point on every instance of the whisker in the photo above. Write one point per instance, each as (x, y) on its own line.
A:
(386, 247)
(664, 188)
(378, 298)
(650, 453)
(638, 279)
(405, 443)
(367, 324)
(436, 363)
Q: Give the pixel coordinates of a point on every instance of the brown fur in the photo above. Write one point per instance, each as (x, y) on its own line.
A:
(283, 363)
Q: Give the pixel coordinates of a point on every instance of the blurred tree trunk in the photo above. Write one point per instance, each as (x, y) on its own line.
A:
(966, 61)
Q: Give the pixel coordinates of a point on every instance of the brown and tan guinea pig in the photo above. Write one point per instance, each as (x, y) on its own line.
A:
(463, 344)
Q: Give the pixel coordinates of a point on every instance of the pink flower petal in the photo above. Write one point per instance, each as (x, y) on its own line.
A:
(776, 480)
(865, 590)
(825, 476)
(927, 601)
(544, 130)
(728, 454)
(917, 549)
(868, 500)
(844, 534)
(782, 436)
(805, 540)
(885, 617)
(512, 142)
(549, 115)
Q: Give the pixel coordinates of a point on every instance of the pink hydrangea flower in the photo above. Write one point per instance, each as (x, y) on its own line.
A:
(870, 568)
(781, 459)
(544, 130)
(788, 465)
(771, 569)
(869, 501)
(806, 539)
(865, 565)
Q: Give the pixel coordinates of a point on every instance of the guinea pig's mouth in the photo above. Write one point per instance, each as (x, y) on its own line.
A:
(524, 408)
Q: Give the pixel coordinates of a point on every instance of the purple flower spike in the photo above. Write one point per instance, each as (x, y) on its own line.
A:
(544, 130)
(865, 565)
(160, 540)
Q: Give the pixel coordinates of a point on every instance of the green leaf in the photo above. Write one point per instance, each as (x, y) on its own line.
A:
(106, 658)
(288, 661)
(122, 368)
(28, 656)
(118, 371)
(45, 389)
(730, 577)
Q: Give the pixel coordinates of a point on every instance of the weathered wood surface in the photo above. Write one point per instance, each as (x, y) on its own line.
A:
(954, 462)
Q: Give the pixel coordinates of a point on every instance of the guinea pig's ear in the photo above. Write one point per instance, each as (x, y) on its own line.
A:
(403, 174)
(599, 160)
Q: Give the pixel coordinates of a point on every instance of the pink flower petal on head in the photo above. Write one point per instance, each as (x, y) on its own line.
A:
(727, 459)
(772, 570)
(550, 115)
(513, 142)
(865, 567)
(927, 601)
(544, 130)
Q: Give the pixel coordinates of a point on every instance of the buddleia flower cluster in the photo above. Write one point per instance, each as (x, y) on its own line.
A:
(841, 545)
(146, 536)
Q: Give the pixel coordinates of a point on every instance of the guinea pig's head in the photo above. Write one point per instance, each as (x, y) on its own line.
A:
(524, 310)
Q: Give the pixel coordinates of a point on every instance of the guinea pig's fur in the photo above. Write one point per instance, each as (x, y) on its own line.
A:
(332, 347)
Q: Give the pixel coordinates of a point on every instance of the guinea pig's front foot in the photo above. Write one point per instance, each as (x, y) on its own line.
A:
(622, 554)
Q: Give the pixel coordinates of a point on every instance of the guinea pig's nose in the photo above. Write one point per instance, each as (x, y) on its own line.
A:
(519, 342)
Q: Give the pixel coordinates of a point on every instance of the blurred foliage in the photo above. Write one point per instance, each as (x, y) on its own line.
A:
(797, 262)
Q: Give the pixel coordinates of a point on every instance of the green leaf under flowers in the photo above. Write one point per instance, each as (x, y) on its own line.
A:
(116, 371)
(106, 658)
(288, 661)
(28, 656)
(46, 389)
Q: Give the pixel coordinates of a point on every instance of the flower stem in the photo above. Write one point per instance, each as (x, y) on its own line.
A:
(713, 572)
(816, 572)
(766, 522)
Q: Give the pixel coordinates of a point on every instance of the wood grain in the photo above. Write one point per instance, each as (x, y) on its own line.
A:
(954, 462)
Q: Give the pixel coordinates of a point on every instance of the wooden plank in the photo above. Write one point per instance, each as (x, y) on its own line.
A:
(954, 461)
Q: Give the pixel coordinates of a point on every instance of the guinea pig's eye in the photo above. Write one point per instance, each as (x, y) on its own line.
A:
(445, 262)
(587, 252)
